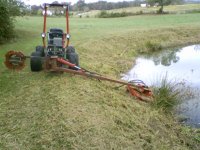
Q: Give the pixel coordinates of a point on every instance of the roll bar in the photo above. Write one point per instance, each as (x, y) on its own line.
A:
(66, 35)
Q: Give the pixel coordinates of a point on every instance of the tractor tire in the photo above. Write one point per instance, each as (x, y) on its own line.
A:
(36, 62)
(40, 49)
(70, 49)
(73, 58)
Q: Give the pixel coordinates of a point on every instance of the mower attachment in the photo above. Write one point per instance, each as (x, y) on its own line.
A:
(137, 88)
(15, 60)
(142, 92)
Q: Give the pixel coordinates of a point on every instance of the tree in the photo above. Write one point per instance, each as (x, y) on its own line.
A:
(104, 5)
(55, 2)
(34, 9)
(8, 10)
(79, 6)
(162, 3)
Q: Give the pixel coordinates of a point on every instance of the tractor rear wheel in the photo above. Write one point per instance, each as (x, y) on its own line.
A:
(36, 61)
(40, 49)
(72, 56)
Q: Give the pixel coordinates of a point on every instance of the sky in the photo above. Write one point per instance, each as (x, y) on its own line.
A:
(38, 2)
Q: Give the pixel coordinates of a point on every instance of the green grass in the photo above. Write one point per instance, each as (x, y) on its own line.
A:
(167, 94)
(63, 111)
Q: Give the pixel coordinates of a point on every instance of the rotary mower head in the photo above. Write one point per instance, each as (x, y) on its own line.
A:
(58, 56)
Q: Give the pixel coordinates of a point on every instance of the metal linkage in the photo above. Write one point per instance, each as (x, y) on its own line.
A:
(136, 88)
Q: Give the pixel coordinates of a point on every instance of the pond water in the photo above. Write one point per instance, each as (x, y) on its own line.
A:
(180, 65)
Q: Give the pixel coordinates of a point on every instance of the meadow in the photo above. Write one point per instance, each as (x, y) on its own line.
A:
(63, 111)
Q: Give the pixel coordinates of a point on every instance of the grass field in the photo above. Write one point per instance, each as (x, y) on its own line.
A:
(51, 111)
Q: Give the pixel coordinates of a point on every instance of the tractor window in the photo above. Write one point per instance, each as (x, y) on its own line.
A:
(56, 31)
(55, 35)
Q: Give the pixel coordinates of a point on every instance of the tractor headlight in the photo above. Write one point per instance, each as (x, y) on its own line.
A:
(68, 36)
(43, 35)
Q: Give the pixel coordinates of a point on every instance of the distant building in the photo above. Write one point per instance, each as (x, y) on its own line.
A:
(143, 5)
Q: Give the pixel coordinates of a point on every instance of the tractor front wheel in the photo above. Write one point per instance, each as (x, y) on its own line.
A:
(36, 61)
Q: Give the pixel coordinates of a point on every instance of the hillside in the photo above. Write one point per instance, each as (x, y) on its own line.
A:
(171, 9)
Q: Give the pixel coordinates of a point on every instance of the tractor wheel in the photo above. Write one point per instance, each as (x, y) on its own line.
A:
(70, 49)
(73, 58)
(40, 49)
(36, 62)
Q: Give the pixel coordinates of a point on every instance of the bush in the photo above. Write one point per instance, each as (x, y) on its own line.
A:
(160, 11)
(6, 24)
(153, 46)
(105, 14)
(8, 9)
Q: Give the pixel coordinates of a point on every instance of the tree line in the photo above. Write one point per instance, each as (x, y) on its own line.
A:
(81, 5)
(103, 5)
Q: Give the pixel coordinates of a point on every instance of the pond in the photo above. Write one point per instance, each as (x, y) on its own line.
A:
(180, 65)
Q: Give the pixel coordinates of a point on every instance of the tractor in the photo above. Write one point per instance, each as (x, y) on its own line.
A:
(57, 43)
(58, 56)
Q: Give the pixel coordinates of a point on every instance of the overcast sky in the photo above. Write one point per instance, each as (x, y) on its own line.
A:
(38, 2)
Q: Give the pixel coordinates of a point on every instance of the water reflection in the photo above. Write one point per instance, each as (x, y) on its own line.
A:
(180, 65)
(166, 59)
(197, 47)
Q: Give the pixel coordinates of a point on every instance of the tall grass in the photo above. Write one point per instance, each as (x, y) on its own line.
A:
(167, 94)
(152, 46)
